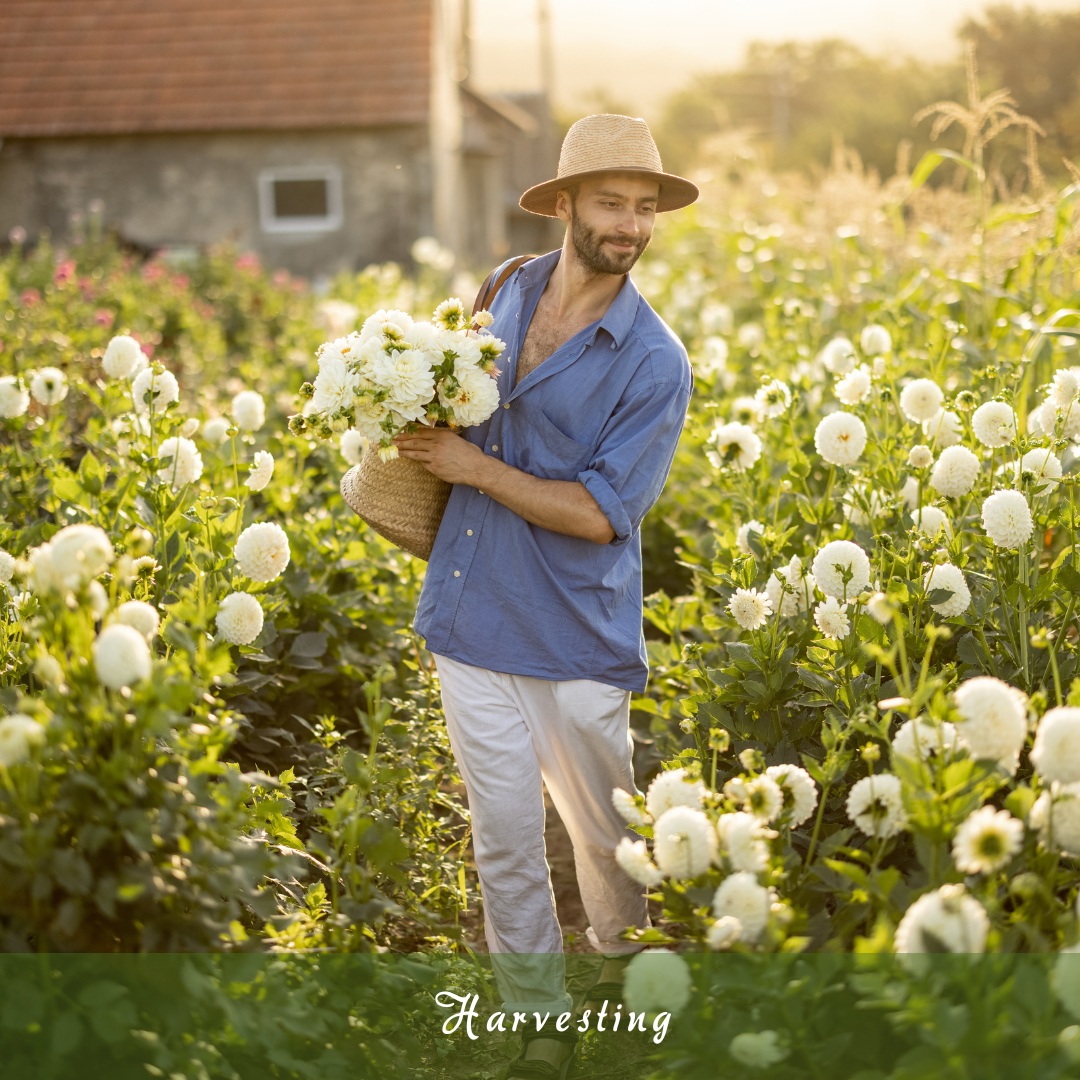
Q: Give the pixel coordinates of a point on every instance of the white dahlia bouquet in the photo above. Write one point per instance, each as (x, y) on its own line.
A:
(396, 373)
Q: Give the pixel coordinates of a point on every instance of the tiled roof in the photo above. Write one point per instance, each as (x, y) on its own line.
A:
(112, 66)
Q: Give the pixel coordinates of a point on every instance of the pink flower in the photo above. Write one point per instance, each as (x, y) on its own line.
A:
(86, 285)
(30, 297)
(249, 261)
(281, 278)
(154, 271)
(181, 281)
(64, 273)
(104, 317)
(148, 348)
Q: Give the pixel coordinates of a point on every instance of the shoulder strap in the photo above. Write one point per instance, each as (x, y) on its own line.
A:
(488, 291)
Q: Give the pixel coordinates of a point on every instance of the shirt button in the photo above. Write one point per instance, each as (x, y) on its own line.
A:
(494, 446)
(507, 405)
(469, 531)
(457, 573)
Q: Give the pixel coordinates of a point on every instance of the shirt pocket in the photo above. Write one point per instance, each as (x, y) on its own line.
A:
(548, 453)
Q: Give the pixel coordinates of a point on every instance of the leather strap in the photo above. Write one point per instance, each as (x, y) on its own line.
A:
(488, 291)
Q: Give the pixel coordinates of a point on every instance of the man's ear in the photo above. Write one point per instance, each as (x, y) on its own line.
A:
(564, 207)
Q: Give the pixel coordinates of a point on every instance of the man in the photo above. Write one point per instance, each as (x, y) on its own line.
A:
(532, 600)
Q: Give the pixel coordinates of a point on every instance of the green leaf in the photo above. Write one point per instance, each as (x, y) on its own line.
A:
(938, 596)
(1068, 578)
(312, 643)
(932, 159)
(91, 473)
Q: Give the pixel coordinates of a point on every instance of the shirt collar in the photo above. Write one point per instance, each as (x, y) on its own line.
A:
(619, 317)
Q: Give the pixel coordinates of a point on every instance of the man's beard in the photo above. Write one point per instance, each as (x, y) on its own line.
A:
(590, 249)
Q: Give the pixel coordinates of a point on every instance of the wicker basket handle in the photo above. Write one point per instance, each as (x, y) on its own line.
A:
(486, 296)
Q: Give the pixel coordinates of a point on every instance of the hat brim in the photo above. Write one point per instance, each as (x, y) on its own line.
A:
(675, 192)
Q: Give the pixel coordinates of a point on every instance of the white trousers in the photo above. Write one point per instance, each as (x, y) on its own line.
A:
(510, 734)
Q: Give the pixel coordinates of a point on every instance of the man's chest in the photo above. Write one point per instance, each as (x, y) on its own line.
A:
(544, 337)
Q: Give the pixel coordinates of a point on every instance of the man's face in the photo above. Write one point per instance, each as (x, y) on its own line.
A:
(611, 221)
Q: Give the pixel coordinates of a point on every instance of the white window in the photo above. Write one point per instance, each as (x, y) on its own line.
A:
(302, 198)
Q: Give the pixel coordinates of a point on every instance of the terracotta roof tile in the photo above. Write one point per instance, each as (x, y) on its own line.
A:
(112, 66)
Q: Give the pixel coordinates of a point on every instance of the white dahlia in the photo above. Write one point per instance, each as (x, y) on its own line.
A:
(921, 400)
(876, 805)
(742, 840)
(97, 600)
(762, 797)
(627, 807)
(352, 446)
(684, 842)
(854, 388)
(714, 357)
(180, 462)
(189, 427)
(760, 1049)
(919, 739)
(1056, 816)
(830, 617)
(994, 423)
(450, 314)
(929, 520)
(7, 566)
(262, 551)
(986, 841)
(879, 609)
(799, 790)
(239, 618)
(1056, 752)
(407, 374)
(121, 656)
(1064, 388)
(750, 609)
(262, 468)
(122, 358)
(773, 397)
(993, 720)
(943, 429)
(750, 336)
(249, 410)
(840, 438)
(746, 410)
(948, 920)
(477, 397)
(955, 472)
(949, 577)
(157, 390)
(723, 933)
(14, 397)
(920, 457)
(837, 559)
(18, 734)
(1006, 517)
(369, 418)
(49, 386)
(736, 445)
(1042, 420)
(741, 897)
(142, 616)
(216, 430)
(1043, 465)
(335, 383)
(390, 325)
(875, 340)
(633, 857)
(838, 356)
(742, 537)
(909, 493)
(78, 553)
(670, 789)
(657, 981)
(804, 585)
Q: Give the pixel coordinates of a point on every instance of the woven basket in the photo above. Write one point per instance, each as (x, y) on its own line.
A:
(399, 499)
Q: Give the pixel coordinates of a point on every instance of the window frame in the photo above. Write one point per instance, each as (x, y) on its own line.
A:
(331, 221)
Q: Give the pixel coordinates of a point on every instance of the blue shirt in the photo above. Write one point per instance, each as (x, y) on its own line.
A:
(607, 409)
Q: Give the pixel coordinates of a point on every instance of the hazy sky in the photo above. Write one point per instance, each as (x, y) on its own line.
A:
(640, 50)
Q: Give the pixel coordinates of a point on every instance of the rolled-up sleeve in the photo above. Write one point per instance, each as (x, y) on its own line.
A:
(628, 471)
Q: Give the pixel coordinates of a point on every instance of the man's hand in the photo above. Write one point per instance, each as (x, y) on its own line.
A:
(447, 455)
(563, 506)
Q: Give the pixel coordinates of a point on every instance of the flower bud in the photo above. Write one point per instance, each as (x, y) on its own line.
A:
(871, 752)
(966, 401)
(752, 760)
(880, 609)
(232, 431)
(920, 457)
(297, 424)
(688, 726)
(340, 424)
(307, 391)
(208, 503)
(719, 740)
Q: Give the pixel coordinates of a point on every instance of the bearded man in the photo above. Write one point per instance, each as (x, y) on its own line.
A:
(532, 601)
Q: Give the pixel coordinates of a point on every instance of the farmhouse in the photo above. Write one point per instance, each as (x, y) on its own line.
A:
(324, 135)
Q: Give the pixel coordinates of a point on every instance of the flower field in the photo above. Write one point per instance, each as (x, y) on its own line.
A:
(862, 735)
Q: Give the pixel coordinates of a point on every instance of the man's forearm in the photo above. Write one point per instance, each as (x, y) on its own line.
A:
(563, 506)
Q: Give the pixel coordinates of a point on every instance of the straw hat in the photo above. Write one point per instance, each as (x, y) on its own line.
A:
(609, 143)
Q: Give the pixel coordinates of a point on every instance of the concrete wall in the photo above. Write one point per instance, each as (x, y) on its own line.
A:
(176, 190)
